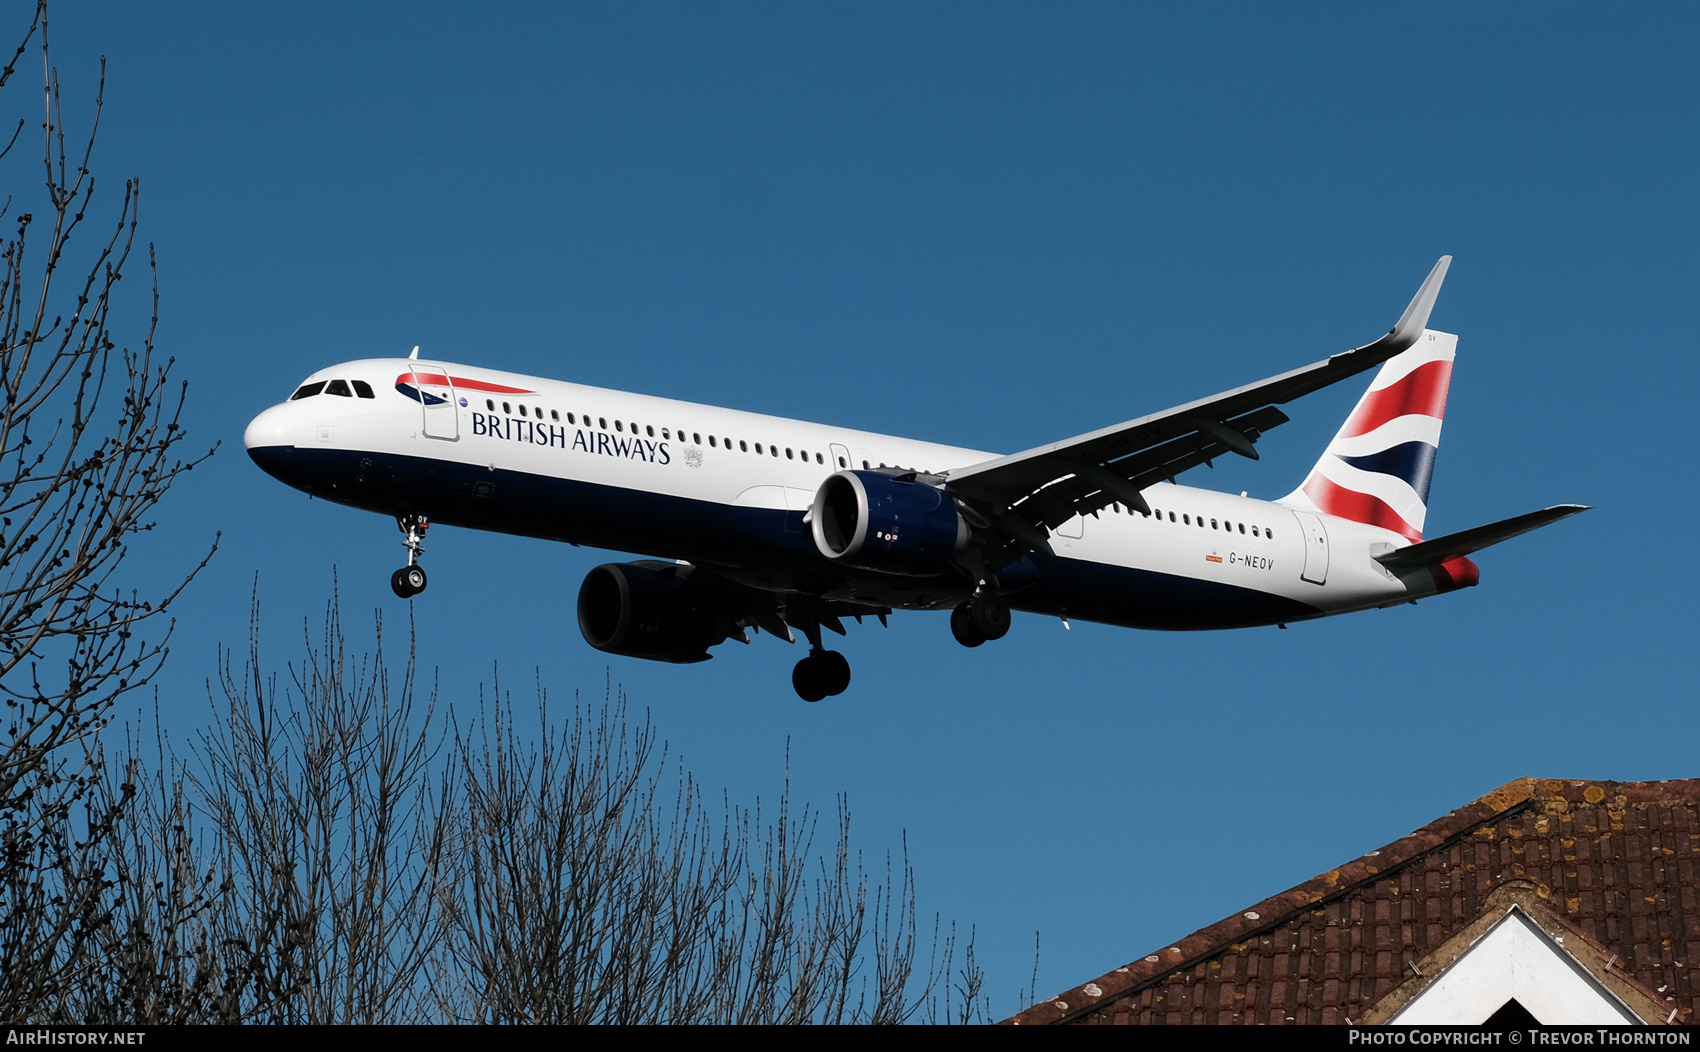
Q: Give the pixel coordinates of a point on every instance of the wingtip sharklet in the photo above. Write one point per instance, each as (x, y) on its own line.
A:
(1411, 324)
(1415, 319)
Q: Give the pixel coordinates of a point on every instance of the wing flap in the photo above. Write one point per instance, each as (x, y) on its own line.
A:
(1090, 486)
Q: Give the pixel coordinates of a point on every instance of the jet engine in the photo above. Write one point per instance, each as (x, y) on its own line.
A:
(650, 610)
(895, 524)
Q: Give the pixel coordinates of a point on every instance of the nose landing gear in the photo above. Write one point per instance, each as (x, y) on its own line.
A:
(409, 581)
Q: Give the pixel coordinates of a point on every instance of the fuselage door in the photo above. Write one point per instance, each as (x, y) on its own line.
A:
(438, 400)
(840, 457)
(1316, 547)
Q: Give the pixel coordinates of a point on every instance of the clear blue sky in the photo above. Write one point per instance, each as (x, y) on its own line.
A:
(993, 225)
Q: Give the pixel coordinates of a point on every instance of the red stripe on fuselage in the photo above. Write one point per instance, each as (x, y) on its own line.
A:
(1343, 503)
(1421, 392)
(461, 383)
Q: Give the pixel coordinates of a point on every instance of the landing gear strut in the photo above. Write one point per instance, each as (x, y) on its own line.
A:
(409, 581)
(821, 674)
(986, 616)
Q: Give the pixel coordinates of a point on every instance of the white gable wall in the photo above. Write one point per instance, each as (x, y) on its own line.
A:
(1516, 958)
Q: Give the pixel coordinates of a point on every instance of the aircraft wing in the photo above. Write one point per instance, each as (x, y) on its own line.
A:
(1028, 494)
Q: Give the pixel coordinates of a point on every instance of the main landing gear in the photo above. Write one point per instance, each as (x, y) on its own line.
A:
(409, 581)
(823, 673)
(986, 616)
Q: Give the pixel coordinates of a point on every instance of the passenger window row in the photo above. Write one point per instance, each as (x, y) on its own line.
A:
(536, 411)
(1188, 519)
(695, 437)
(361, 389)
(364, 390)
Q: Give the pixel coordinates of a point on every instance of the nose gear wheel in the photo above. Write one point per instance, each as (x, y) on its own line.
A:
(409, 581)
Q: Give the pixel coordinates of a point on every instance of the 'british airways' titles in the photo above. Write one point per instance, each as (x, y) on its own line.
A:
(538, 433)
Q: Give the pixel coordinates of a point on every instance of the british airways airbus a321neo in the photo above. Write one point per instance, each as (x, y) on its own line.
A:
(781, 524)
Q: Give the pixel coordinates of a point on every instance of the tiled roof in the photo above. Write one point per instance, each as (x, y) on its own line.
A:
(1616, 861)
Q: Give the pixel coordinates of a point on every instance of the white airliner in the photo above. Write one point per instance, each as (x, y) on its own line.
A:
(782, 524)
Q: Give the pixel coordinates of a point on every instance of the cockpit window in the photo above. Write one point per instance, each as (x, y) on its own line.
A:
(362, 388)
(307, 390)
(339, 387)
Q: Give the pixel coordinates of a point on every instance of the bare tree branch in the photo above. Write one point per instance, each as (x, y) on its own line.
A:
(89, 444)
(90, 431)
(332, 829)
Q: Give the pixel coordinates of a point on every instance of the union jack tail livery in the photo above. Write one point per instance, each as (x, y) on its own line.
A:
(1377, 469)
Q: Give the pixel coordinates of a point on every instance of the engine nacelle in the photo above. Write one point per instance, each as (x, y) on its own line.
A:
(876, 522)
(649, 610)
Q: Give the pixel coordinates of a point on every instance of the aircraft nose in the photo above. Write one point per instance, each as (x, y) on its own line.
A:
(268, 429)
(272, 439)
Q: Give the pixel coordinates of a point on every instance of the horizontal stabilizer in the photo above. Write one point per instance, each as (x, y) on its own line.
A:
(1464, 542)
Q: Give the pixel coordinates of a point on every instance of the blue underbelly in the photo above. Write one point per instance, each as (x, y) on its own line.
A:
(763, 548)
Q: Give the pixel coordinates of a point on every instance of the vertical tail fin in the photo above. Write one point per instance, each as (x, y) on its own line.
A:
(1378, 467)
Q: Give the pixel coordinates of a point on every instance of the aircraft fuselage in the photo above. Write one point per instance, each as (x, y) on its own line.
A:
(729, 491)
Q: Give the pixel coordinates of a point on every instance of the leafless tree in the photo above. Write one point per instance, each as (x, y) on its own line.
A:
(323, 860)
(157, 958)
(592, 886)
(324, 856)
(89, 443)
(330, 813)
